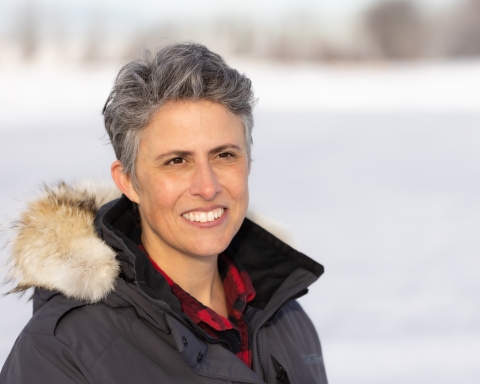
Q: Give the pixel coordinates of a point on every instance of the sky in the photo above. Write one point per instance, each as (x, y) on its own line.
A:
(265, 8)
(148, 10)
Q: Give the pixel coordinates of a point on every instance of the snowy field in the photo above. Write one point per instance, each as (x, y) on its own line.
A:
(375, 173)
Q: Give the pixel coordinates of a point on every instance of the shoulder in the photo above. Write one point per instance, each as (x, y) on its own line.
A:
(85, 330)
(293, 319)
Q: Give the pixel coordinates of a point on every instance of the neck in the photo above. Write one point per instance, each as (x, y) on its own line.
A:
(196, 275)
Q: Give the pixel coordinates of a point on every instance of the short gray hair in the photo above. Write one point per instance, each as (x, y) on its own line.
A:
(183, 71)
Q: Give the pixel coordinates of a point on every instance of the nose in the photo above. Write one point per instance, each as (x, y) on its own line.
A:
(204, 182)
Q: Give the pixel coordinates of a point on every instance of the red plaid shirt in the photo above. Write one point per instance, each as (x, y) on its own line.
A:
(238, 292)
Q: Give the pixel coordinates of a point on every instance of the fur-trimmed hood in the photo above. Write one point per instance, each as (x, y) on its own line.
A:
(55, 246)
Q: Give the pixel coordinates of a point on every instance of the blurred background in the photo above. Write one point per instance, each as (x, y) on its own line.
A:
(366, 152)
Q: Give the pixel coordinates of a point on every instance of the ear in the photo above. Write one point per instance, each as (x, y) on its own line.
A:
(123, 181)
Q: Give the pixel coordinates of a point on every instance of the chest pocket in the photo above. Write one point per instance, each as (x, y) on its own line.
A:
(282, 376)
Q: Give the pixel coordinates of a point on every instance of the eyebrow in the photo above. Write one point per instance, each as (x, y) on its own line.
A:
(180, 153)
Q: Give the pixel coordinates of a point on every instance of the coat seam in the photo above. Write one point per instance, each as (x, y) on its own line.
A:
(109, 344)
(70, 351)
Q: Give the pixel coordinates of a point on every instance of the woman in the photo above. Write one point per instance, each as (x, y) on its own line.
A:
(168, 283)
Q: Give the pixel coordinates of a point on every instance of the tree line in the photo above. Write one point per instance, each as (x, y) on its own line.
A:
(394, 29)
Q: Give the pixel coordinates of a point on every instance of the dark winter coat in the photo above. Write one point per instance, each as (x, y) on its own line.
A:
(102, 314)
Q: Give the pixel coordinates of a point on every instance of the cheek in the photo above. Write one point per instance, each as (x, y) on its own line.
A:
(158, 199)
(238, 182)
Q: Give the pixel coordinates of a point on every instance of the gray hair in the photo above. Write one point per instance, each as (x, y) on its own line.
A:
(184, 71)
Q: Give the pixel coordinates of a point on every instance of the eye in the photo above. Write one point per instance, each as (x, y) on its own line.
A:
(226, 155)
(176, 161)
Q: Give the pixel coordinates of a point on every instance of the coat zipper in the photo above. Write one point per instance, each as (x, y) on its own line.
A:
(265, 376)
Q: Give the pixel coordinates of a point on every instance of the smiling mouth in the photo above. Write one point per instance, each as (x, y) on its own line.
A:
(204, 217)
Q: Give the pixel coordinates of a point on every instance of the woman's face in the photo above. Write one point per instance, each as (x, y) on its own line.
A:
(192, 170)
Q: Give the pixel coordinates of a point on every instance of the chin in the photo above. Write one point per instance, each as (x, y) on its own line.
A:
(209, 248)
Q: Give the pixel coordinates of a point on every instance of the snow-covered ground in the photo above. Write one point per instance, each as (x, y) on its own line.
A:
(374, 172)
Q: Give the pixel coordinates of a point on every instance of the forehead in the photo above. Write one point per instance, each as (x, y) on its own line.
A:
(191, 125)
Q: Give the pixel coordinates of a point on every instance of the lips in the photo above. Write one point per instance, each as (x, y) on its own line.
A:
(204, 217)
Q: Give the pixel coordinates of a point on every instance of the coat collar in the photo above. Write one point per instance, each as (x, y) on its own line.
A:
(275, 268)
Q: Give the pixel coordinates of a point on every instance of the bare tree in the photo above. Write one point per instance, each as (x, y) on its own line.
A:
(464, 34)
(396, 29)
(28, 31)
(94, 37)
(297, 37)
(59, 34)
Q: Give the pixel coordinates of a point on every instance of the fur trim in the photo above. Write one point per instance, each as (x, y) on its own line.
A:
(56, 247)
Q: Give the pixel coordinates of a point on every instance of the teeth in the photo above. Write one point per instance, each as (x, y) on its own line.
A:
(204, 217)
